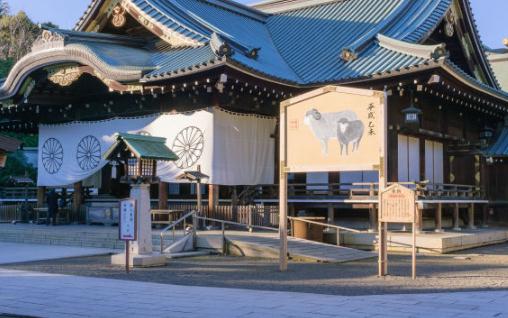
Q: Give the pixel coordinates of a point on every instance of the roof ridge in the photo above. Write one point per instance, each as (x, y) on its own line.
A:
(283, 6)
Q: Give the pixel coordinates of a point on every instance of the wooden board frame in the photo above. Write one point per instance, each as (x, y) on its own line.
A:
(381, 166)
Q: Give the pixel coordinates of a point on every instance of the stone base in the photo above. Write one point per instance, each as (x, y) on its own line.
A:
(150, 260)
(429, 242)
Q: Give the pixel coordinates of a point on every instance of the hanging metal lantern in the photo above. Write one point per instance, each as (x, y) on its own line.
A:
(412, 113)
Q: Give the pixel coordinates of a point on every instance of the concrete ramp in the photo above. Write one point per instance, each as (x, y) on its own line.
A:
(267, 245)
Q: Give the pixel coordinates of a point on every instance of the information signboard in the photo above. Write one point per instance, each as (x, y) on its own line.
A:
(397, 205)
(128, 224)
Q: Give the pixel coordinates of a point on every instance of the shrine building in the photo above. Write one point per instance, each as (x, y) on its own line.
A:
(209, 76)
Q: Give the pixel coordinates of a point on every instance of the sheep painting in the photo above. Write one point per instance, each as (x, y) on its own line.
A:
(324, 125)
(349, 132)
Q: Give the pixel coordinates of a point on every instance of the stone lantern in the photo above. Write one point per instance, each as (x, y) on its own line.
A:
(139, 156)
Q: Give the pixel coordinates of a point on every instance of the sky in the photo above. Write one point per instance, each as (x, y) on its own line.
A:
(490, 15)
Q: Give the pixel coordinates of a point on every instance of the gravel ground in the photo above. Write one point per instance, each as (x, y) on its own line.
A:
(478, 269)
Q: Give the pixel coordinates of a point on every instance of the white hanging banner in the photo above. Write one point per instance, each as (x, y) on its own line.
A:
(233, 149)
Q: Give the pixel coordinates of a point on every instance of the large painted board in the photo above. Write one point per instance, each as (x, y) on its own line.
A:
(334, 129)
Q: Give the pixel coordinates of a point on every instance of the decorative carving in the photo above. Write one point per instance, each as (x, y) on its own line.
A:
(48, 39)
(119, 18)
(348, 55)
(449, 25)
(172, 37)
(52, 155)
(219, 46)
(65, 76)
(188, 146)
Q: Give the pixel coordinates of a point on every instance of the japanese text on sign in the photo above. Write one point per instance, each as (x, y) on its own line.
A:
(127, 225)
(397, 205)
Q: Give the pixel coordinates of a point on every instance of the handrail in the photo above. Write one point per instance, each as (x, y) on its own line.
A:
(326, 225)
(237, 223)
(172, 226)
(223, 228)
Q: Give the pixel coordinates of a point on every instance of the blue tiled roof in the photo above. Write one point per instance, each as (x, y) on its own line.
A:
(175, 62)
(500, 147)
(313, 48)
(301, 46)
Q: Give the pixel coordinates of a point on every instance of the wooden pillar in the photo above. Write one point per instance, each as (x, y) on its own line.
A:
(41, 196)
(234, 204)
(163, 195)
(372, 218)
(470, 217)
(331, 214)
(77, 199)
(439, 218)
(213, 199)
(485, 215)
(456, 220)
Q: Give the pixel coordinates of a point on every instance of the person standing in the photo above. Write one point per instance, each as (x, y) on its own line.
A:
(52, 201)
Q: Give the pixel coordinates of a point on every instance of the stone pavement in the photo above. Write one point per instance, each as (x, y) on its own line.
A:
(49, 295)
(17, 253)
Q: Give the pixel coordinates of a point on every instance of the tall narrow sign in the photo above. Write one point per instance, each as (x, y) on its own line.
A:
(127, 227)
(330, 129)
(397, 205)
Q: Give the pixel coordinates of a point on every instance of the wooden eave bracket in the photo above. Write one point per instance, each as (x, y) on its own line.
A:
(423, 51)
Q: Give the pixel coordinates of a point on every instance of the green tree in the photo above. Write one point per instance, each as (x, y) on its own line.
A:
(17, 33)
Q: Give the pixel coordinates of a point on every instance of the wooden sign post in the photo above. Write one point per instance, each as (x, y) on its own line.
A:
(330, 129)
(397, 205)
(127, 227)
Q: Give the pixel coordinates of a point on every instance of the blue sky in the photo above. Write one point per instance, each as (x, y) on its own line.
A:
(491, 15)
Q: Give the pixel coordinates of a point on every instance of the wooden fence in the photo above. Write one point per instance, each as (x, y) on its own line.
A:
(254, 214)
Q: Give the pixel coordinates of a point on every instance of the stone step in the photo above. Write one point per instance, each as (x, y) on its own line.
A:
(189, 254)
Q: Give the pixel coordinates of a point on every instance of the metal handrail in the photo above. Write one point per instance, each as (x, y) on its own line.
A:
(172, 226)
(237, 223)
(326, 225)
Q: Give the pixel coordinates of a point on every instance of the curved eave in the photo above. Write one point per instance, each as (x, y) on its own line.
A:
(220, 62)
(75, 54)
(478, 46)
(90, 11)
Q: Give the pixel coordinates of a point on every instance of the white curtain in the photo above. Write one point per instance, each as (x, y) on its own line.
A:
(233, 149)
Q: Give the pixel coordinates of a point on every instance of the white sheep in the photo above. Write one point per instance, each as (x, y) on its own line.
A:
(325, 125)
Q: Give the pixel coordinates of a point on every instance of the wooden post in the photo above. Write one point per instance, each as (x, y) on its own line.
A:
(331, 214)
(372, 218)
(77, 199)
(456, 223)
(413, 263)
(163, 195)
(41, 196)
(439, 218)
(234, 204)
(383, 171)
(419, 220)
(213, 198)
(485, 215)
(470, 218)
(283, 195)
(127, 257)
